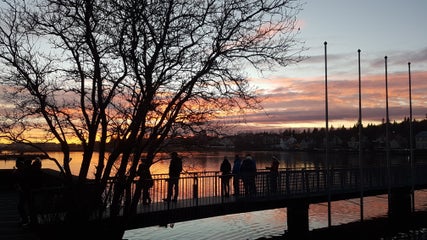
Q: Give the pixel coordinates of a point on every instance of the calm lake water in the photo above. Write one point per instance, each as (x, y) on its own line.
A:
(254, 225)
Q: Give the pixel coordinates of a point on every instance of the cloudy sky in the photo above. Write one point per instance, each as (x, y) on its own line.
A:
(295, 95)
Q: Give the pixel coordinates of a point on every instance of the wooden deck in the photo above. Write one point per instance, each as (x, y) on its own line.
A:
(10, 227)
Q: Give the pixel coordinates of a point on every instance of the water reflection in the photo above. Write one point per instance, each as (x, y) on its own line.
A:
(269, 223)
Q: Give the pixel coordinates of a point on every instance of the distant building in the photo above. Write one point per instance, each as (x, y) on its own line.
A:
(306, 144)
(421, 140)
(353, 143)
(288, 143)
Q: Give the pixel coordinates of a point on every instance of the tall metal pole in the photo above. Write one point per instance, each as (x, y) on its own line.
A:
(360, 137)
(327, 137)
(411, 142)
(387, 138)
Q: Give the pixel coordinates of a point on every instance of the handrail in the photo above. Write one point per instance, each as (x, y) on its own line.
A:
(204, 188)
(290, 182)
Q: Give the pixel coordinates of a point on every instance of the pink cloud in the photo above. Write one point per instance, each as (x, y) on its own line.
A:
(294, 101)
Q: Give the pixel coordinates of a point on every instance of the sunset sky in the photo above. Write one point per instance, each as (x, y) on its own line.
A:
(295, 95)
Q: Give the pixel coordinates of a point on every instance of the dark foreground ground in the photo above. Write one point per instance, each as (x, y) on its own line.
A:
(373, 229)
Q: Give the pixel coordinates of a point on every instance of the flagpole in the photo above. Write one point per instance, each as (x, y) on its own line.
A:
(360, 138)
(411, 145)
(327, 137)
(387, 139)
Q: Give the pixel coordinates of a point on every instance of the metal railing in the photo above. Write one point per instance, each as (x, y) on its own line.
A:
(201, 188)
(204, 188)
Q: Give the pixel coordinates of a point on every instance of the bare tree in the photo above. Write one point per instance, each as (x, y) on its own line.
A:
(133, 73)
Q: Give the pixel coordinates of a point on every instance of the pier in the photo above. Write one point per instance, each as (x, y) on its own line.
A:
(200, 195)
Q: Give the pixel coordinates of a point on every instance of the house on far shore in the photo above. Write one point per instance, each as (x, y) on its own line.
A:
(421, 140)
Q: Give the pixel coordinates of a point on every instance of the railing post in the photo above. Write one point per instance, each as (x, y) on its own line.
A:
(325, 179)
(298, 220)
(399, 209)
(303, 180)
(216, 184)
(195, 186)
(307, 180)
(343, 178)
(266, 182)
(318, 179)
(287, 178)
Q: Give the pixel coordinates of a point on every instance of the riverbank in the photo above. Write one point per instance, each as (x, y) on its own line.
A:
(372, 229)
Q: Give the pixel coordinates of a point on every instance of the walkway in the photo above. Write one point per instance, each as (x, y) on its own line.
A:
(200, 195)
(10, 228)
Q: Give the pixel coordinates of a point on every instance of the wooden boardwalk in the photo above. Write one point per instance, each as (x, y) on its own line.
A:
(10, 227)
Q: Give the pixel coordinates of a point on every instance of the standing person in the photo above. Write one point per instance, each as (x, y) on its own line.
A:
(36, 174)
(252, 184)
(147, 182)
(274, 173)
(22, 180)
(175, 168)
(236, 174)
(36, 182)
(248, 173)
(225, 177)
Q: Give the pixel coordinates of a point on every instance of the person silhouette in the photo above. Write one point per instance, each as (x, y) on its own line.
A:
(22, 180)
(225, 169)
(236, 174)
(274, 173)
(248, 173)
(146, 181)
(175, 168)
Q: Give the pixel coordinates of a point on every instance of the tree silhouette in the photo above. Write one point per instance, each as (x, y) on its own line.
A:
(123, 77)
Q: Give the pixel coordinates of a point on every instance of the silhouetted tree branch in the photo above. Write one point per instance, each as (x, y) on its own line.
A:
(135, 73)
